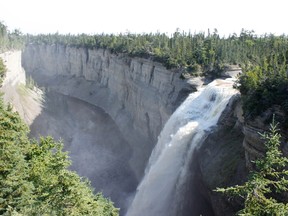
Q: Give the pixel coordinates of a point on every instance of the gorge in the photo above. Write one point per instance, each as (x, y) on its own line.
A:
(109, 110)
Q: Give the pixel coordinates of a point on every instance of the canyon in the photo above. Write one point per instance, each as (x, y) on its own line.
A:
(109, 110)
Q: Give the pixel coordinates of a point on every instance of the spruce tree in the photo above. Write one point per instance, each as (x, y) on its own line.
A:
(264, 192)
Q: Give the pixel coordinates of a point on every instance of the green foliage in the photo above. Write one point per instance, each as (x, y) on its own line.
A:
(34, 179)
(3, 70)
(10, 40)
(266, 186)
(263, 59)
(34, 176)
(264, 83)
(263, 88)
(186, 51)
(15, 189)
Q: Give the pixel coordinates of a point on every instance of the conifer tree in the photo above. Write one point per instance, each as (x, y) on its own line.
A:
(264, 192)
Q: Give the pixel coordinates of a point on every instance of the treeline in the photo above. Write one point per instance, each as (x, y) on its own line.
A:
(194, 53)
(264, 85)
(263, 58)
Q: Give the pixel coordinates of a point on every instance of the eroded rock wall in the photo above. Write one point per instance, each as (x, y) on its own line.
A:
(229, 154)
(253, 128)
(221, 160)
(138, 94)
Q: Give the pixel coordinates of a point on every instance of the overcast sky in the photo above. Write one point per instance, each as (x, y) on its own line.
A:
(115, 16)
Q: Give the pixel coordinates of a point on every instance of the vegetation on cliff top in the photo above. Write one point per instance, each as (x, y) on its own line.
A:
(264, 192)
(182, 50)
(194, 53)
(263, 59)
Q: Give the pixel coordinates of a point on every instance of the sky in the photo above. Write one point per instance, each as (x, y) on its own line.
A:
(145, 16)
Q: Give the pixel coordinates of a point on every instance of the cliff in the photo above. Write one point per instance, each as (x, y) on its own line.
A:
(239, 145)
(138, 94)
(253, 128)
(221, 161)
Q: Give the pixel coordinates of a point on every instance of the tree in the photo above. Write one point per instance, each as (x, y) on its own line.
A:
(3, 70)
(264, 192)
(15, 189)
(34, 176)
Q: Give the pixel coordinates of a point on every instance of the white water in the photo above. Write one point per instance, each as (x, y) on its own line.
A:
(159, 193)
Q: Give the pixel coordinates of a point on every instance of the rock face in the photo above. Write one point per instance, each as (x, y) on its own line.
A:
(253, 142)
(138, 94)
(221, 160)
(26, 101)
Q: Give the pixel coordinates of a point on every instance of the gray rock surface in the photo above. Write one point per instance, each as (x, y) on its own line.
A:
(253, 142)
(27, 101)
(221, 160)
(138, 94)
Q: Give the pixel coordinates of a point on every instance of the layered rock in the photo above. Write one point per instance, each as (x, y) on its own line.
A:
(138, 94)
(239, 144)
(253, 142)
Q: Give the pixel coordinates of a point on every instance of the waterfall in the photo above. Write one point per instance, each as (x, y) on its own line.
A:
(159, 193)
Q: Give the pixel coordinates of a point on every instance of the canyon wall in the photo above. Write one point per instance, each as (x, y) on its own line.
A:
(137, 93)
(140, 95)
(24, 100)
(220, 162)
(253, 142)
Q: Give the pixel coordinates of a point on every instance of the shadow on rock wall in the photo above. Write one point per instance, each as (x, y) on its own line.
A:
(97, 148)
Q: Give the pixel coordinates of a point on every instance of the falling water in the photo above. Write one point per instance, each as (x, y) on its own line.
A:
(159, 193)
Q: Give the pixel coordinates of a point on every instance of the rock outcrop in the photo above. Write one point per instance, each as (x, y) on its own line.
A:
(239, 143)
(252, 130)
(221, 160)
